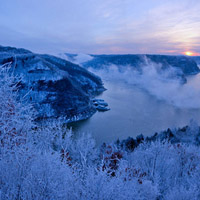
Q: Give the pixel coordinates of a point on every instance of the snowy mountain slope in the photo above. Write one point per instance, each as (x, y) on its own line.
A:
(180, 66)
(196, 59)
(184, 63)
(56, 87)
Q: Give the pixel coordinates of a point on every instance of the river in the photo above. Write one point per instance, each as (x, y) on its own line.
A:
(133, 111)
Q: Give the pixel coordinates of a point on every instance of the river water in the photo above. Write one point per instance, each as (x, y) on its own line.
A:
(133, 111)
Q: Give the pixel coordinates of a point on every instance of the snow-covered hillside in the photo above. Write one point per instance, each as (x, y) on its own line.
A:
(43, 161)
(56, 87)
(181, 66)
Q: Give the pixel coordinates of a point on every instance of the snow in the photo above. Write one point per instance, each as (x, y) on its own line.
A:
(44, 75)
(45, 161)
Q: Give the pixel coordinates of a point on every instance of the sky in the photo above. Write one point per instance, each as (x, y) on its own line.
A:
(101, 26)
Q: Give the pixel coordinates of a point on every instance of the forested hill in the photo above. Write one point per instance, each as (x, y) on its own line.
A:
(179, 66)
(186, 64)
(56, 87)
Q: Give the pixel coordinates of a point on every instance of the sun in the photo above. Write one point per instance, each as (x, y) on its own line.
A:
(188, 53)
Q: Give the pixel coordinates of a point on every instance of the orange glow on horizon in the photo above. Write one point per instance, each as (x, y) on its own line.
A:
(190, 53)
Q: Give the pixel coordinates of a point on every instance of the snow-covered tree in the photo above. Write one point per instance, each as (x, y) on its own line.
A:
(45, 161)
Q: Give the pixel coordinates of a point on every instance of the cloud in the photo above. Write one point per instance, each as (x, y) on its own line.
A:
(172, 26)
(104, 26)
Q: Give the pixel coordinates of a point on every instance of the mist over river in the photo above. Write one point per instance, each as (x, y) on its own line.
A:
(134, 110)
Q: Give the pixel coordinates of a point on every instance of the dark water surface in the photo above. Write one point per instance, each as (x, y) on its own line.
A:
(133, 111)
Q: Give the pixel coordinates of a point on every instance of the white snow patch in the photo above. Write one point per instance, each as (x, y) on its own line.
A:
(81, 58)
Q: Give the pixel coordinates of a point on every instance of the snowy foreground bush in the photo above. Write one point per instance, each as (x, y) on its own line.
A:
(44, 162)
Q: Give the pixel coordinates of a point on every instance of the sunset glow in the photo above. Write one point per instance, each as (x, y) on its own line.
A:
(191, 53)
(188, 53)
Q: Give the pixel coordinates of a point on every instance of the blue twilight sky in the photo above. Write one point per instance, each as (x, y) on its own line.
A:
(101, 26)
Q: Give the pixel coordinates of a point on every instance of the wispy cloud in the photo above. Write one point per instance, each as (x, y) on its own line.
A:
(104, 26)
